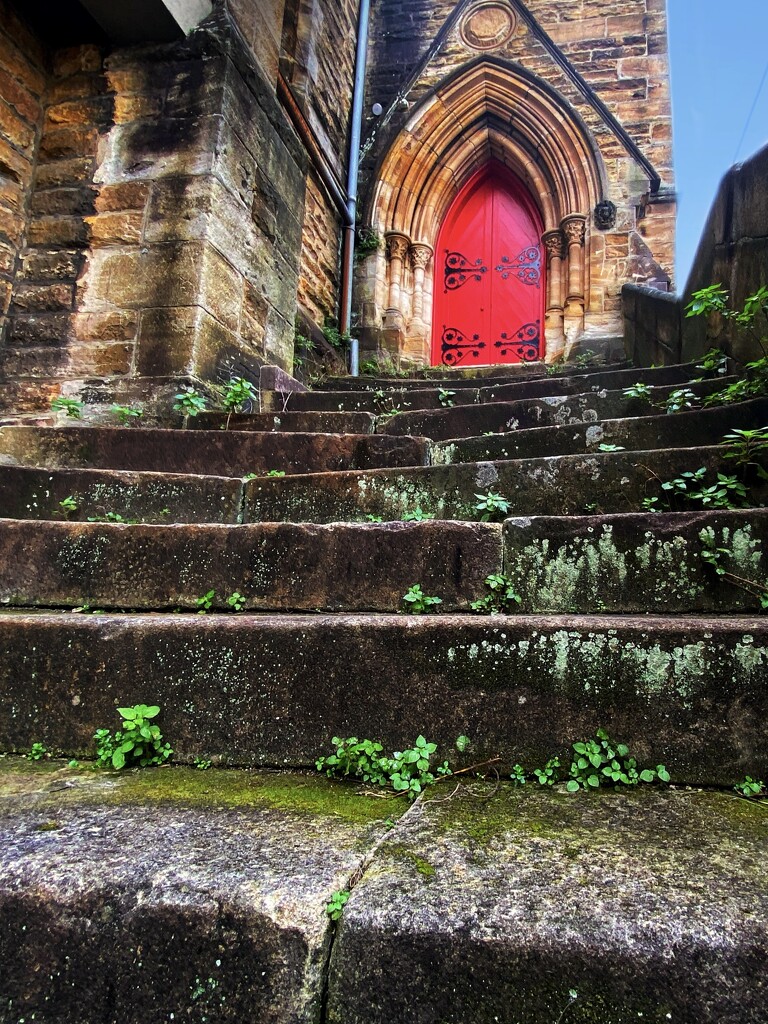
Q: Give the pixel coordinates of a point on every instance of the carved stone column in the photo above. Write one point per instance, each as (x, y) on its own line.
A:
(397, 250)
(420, 254)
(554, 243)
(394, 316)
(417, 343)
(574, 229)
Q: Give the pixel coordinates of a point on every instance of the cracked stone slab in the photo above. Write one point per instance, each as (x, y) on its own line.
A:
(534, 907)
(172, 894)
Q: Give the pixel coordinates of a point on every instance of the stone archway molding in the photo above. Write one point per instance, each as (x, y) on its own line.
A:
(491, 110)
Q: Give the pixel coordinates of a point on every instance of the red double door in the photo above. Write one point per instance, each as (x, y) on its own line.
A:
(489, 275)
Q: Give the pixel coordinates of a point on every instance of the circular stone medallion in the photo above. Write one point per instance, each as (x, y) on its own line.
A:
(486, 26)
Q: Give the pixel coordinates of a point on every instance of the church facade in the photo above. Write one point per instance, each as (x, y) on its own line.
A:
(175, 191)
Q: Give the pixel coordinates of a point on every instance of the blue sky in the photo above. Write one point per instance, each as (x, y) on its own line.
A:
(719, 53)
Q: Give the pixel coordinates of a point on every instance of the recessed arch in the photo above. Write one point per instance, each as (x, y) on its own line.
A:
(490, 110)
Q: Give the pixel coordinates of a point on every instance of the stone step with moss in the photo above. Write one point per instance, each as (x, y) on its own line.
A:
(555, 410)
(378, 400)
(705, 561)
(301, 422)
(606, 482)
(118, 495)
(525, 906)
(272, 690)
(643, 433)
(274, 566)
(230, 453)
(193, 894)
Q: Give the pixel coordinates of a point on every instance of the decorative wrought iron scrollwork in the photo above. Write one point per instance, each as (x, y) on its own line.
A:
(458, 270)
(526, 266)
(524, 343)
(455, 346)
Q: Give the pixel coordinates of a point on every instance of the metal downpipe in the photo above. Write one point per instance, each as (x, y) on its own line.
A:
(353, 169)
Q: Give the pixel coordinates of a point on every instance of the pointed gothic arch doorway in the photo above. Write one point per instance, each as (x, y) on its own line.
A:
(489, 275)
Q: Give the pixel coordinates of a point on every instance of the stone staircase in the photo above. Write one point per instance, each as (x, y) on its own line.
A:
(199, 895)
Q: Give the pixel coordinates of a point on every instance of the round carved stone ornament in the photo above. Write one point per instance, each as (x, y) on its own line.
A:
(487, 25)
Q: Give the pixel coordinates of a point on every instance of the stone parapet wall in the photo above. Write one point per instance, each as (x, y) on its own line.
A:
(733, 251)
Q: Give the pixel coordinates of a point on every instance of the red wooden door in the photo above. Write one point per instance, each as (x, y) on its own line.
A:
(489, 276)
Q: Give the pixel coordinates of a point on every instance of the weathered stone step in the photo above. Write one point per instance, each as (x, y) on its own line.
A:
(27, 493)
(482, 904)
(568, 484)
(555, 384)
(478, 376)
(639, 562)
(231, 453)
(273, 566)
(302, 422)
(681, 430)
(555, 410)
(272, 690)
(199, 895)
(537, 908)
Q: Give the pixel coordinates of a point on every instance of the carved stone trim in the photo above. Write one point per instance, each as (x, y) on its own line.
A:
(397, 245)
(605, 215)
(554, 243)
(574, 228)
(420, 254)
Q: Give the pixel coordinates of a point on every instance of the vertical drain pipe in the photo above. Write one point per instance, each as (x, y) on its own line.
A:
(355, 133)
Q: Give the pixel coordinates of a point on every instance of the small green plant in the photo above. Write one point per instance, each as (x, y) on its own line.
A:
(205, 602)
(746, 446)
(679, 399)
(446, 398)
(692, 488)
(276, 473)
(334, 337)
(38, 751)
(548, 775)
(68, 505)
(639, 391)
(70, 406)
(374, 519)
(492, 506)
(112, 517)
(715, 361)
(750, 787)
(367, 241)
(236, 602)
(502, 597)
(713, 556)
(610, 448)
(201, 764)
(600, 761)
(189, 402)
(417, 602)
(407, 772)
(462, 743)
(518, 775)
(126, 413)
(334, 908)
(239, 393)
(416, 516)
(137, 742)
(250, 476)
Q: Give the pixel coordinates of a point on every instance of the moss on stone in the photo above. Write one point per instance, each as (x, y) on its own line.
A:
(294, 792)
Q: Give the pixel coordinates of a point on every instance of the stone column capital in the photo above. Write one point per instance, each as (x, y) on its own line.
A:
(574, 228)
(554, 243)
(420, 254)
(397, 245)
